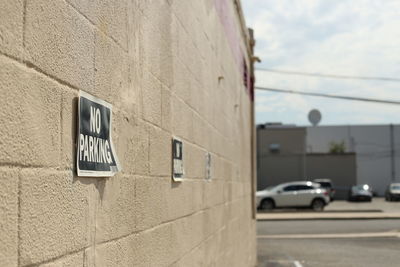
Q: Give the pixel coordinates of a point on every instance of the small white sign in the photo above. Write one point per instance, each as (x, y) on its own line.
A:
(177, 160)
(208, 166)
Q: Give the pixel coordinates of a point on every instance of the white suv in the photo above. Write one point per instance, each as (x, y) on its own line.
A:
(294, 194)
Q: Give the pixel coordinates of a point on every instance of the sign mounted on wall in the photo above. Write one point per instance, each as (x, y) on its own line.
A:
(208, 166)
(177, 160)
(95, 151)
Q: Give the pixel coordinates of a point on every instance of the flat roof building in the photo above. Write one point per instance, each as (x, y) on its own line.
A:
(371, 154)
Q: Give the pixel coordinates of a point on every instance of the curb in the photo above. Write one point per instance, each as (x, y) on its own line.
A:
(302, 217)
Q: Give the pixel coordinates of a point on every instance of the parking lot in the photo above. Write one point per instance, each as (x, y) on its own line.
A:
(339, 236)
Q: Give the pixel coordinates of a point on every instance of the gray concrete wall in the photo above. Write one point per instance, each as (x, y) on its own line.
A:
(340, 168)
(284, 165)
(169, 68)
(277, 169)
(291, 140)
(372, 144)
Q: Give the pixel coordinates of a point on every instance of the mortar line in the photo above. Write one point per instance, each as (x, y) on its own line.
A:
(30, 66)
(198, 245)
(23, 25)
(19, 219)
(72, 252)
(173, 93)
(138, 232)
(61, 160)
(171, 221)
(97, 199)
(95, 25)
(29, 166)
(179, 98)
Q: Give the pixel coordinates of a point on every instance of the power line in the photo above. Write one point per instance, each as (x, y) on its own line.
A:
(332, 76)
(353, 98)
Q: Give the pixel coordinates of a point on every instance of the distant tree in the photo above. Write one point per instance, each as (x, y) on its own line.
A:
(337, 148)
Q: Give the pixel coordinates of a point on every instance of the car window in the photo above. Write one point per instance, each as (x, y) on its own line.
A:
(396, 187)
(290, 188)
(304, 187)
(325, 184)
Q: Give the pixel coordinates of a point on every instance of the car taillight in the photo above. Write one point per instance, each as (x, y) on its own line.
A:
(326, 193)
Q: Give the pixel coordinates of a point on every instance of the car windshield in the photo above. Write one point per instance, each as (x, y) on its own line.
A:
(363, 187)
(395, 187)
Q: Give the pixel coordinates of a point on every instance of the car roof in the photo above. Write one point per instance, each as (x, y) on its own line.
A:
(322, 180)
(298, 183)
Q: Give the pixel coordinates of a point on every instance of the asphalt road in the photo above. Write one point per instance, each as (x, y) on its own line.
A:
(329, 243)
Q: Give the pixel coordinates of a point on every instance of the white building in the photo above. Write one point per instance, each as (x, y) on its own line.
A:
(377, 148)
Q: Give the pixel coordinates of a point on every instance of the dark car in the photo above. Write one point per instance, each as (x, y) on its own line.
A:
(393, 192)
(361, 192)
(327, 185)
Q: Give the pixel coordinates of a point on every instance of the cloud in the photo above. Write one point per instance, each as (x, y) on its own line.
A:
(327, 36)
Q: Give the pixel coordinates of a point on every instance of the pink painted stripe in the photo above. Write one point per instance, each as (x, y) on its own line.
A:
(228, 22)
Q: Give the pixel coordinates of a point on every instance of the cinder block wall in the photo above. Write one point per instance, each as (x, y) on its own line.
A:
(169, 69)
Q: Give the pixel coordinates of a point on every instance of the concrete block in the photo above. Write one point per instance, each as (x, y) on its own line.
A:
(11, 27)
(111, 71)
(181, 9)
(109, 16)
(30, 116)
(182, 82)
(150, 201)
(194, 258)
(116, 210)
(197, 195)
(210, 247)
(179, 200)
(69, 120)
(213, 193)
(195, 161)
(60, 42)
(198, 97)
(9, 179)
(154, 247)
(151, 97)
(56, 214)
(214, 220)
(166, 110)
(159, 14)
(135, 17)
(157, 40)
(160, 152)
(132, 144)
(182, 122)
(72, 260)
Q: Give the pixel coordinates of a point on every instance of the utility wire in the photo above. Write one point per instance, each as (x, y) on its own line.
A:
(381, 101)
(333, 76)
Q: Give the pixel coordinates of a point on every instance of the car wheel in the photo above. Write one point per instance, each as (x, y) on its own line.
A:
(267, 204)
(318, 205)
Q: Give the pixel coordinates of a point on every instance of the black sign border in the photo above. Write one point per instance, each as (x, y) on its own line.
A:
(87, 173)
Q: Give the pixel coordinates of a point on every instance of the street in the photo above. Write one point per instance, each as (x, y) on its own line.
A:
(329, 243)
(333, 238)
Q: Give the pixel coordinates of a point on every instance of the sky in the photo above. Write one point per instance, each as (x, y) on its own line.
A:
(344, 37)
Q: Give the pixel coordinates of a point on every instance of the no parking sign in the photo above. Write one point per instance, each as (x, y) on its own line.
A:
(95, 151)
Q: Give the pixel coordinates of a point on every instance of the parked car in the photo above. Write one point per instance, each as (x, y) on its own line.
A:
(294, 194)
(327, 184)
(361, 192)
(393, 192)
